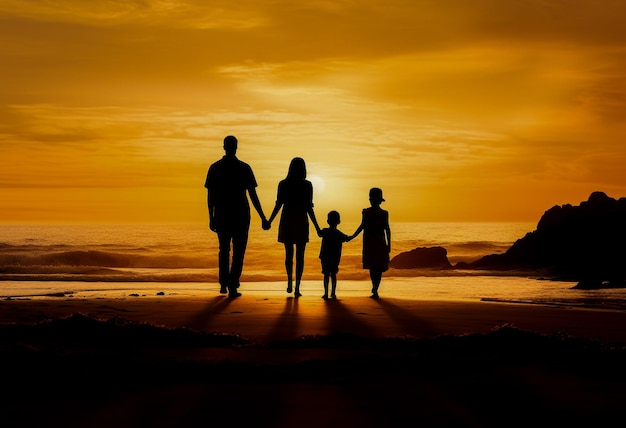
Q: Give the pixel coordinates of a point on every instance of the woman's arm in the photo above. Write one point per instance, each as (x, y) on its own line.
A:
(310, 211)
(279, 203)
(275, 211)
(314, 220)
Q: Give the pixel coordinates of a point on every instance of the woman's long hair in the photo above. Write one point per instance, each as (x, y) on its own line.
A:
(297, 170)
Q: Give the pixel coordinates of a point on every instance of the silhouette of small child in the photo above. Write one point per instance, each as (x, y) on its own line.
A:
(330, 252)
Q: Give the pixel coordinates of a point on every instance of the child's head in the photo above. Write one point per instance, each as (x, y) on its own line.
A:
(376, 195)
(333, 218)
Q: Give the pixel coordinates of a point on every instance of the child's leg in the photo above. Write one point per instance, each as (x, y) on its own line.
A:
(333, 279)
(326, 279)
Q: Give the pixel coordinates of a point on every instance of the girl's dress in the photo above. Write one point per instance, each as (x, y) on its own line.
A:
(375, 255)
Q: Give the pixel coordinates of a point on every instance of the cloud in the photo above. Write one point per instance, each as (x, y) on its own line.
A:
(48, 145)
(414, 94)
(166, 13)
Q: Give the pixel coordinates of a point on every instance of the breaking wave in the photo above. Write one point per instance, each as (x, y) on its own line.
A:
(187, 253)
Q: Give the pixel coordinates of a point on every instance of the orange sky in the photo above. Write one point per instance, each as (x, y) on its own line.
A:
(112, 111)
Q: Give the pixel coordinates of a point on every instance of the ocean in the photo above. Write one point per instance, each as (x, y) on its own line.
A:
(51, 261)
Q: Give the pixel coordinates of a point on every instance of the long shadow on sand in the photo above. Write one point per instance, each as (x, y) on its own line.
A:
(410, 323)
(202, 319)
(342, 321)
(287, 325)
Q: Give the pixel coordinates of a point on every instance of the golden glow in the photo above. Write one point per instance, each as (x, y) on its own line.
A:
(319, 185)
(112, 111)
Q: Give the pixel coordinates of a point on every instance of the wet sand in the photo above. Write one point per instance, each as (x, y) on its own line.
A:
(263, 318)
(275, 360)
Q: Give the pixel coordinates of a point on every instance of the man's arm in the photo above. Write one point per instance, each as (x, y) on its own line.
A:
(209, 205)
(211, 211)
(257, 205)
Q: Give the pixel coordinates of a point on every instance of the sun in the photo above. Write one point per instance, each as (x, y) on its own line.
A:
(318, 183)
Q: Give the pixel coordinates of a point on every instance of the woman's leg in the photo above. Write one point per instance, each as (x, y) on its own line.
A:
(376, 276)
(289, 265)
(299, 266)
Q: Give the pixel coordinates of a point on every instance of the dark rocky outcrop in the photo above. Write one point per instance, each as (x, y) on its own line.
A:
(422, 257)
(585, 243)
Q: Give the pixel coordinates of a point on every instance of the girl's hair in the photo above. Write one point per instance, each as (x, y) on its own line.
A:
(297, 169)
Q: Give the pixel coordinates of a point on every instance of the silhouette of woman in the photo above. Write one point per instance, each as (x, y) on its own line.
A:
(295, 197)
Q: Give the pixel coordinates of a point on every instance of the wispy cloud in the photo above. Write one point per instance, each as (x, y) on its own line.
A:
(438, 101)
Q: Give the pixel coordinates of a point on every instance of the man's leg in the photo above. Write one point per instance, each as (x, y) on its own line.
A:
(224, 239)
(240, 242)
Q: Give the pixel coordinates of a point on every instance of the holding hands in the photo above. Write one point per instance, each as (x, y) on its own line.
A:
(266, 224)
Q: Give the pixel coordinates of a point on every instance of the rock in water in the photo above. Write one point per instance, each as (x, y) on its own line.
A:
(422, 257)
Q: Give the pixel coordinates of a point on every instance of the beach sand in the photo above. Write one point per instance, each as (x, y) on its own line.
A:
(268, 359)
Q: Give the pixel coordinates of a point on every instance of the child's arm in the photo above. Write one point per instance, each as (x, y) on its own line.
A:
(388, 235)
(358, 229)
(356, 232)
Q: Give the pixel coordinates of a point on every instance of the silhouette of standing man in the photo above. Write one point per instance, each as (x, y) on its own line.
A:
(227, 182)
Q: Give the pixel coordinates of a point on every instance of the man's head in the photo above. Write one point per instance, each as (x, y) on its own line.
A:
(230, 145)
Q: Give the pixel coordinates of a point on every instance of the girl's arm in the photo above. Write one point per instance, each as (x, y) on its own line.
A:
(360, 228)
(357, 231)
(388, 233)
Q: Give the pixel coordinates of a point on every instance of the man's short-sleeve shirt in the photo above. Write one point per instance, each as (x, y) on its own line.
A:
(227, 182)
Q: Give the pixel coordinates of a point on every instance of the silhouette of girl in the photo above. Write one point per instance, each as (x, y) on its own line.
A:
(295, 196)
(376, 239)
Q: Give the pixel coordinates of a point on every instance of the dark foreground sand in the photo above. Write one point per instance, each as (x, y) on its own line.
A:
(175, 361)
